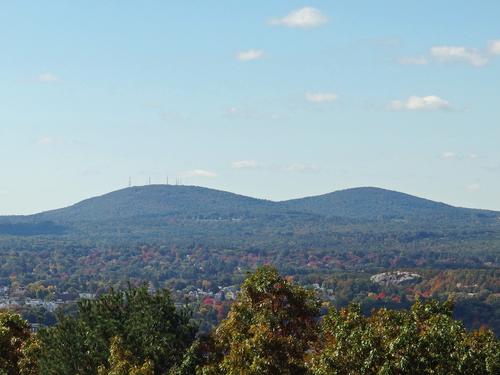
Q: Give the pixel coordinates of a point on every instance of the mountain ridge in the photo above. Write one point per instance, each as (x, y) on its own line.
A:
(157, 205)
(164, 199)
(358, 203)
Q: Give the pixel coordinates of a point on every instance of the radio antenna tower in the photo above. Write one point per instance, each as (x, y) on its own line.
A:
(129, 181)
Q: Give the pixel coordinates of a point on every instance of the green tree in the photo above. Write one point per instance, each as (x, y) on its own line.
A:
(121, 362)
(147, 326)
(268, 330)
(424, 340)
(28, 364)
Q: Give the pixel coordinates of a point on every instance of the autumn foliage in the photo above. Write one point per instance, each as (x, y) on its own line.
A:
(274, 327)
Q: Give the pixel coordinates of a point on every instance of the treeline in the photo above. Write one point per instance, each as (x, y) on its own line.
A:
(52, 269)
(274, 327)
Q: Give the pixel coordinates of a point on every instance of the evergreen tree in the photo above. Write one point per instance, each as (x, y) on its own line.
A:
(148, 327)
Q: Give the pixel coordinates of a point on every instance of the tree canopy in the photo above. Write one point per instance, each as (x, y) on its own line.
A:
(14, 332)
(274, 327)
(424, 340)
(268, 329)
(132, 324)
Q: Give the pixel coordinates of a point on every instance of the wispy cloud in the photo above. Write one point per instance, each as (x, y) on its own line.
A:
(50, 140)
(321, 97)
(250, 55)
(199, 173)
(47, 78)
(301, 168)
(448, 155)
(274, 168)
(416, 60)
(306, 17)
(472, 56)
(244, 164)
(473, 187)
(245, 114)
(476, 57)
(420, 103)
(494, 47)
(46, 141)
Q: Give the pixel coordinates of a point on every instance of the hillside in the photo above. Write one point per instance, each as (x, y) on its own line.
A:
(160, 200)
(376, 203)
(187, 237)
(150, 206)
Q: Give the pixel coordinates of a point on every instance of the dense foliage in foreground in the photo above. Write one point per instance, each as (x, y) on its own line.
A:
(274, 327)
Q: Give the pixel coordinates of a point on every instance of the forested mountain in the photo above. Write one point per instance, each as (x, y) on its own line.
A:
(151, 205)
(375, 203)
(160, 200)
(190, 238)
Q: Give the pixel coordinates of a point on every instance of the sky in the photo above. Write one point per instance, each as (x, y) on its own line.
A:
(272, 99)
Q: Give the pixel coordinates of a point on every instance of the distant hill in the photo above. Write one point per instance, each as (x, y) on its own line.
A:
(160, 200)
(165, 206)
(375, 203)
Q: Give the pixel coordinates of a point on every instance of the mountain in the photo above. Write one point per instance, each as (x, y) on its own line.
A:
(376, 203)
(160, 200)
(186, 237)
(187, 209)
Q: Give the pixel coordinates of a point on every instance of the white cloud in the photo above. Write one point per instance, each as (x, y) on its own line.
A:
(420, 103)
(449, 155)
(250, 55)
(47, 78)
(306, 17)
(46, 141)
(473, 187)
(494, 47)
(245, 114)
(199, 173)
(321, 97)
(299, 167)
(232, 111)
(471, 56)
(244, 164)
(275, 168)
(419, 60)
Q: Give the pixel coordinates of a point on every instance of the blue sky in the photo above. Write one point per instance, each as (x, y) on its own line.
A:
(271, 99)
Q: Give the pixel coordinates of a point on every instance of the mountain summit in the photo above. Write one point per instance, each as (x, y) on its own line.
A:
(165, 206)
(371, 203)
(159, 200)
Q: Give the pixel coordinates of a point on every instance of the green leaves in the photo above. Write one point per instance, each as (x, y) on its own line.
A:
(272, 328)
(424, 340)
(147, 327)
(268, 330)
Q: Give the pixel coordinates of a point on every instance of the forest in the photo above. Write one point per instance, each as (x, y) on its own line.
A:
(273, 327)
(201, 243)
